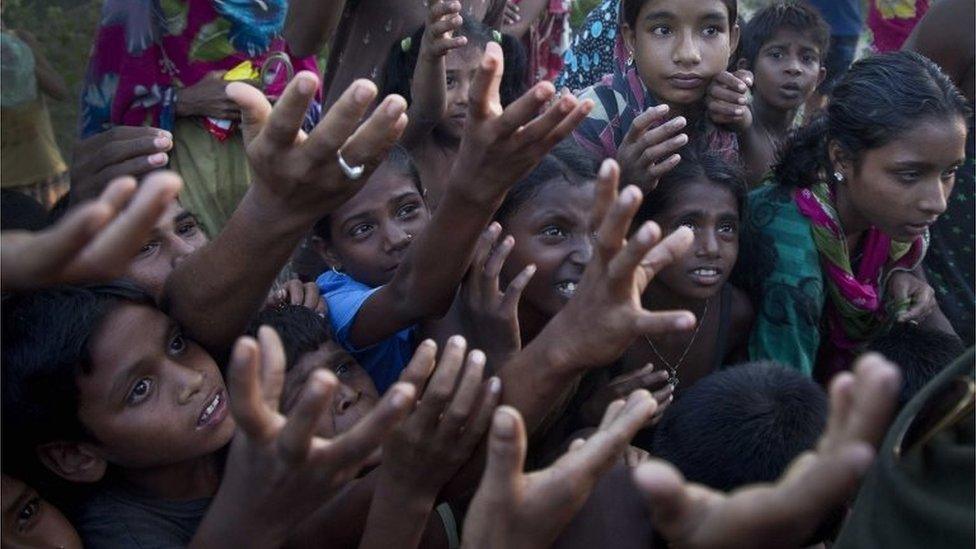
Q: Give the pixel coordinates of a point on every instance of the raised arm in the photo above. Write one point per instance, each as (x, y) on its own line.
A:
(497, 149)
(310, 25)
(529, 13)
(297, 179)
(428, 88)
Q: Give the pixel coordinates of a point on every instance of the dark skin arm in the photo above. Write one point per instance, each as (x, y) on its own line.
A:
(944, 35)
(310, 24)
(498, 148)
(296, 180)
(530, 11)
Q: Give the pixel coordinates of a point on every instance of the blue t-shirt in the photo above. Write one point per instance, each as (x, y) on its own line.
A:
(843, 16)
(384, 360)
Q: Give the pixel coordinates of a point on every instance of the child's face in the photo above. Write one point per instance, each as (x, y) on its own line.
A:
(153, 398)
(678, 46)
(176, 236)
(902, 187)
(461, 65)
(787, 69)
(29, 521)
(354, 397)
(371, 232)
(713, 214)
(551, 230)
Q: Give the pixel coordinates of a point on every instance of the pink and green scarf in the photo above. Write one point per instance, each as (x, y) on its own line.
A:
(856, 309)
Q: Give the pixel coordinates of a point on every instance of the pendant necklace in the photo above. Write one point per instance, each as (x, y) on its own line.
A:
(673, 370)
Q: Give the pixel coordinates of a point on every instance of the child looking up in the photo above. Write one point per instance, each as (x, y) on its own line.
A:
(849, 207)
(785, 46)
(432, 69)
(646, 114)
(397, 265)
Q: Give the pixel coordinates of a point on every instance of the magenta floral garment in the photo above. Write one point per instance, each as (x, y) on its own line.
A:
(146, 49)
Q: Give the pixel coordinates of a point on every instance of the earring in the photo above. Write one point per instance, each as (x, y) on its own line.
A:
(630, 59)
(839, 177)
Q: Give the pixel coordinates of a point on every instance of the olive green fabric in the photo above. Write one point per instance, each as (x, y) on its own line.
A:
(926, 498)
(215, 174)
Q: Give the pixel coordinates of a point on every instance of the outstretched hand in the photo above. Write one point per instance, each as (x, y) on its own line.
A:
(94, 242)
(278, 470)
(605, 315)
(298, 174)
(512, 509)
(650, 148)
(787, 513)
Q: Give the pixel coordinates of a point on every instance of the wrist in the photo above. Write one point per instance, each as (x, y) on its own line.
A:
(409, 494)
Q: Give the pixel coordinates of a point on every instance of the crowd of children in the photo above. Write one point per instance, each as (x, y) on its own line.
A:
(635, 315)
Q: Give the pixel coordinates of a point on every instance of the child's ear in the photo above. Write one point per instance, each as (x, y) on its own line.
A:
(840, 161)
(743, 64)
(630, 39)
(734, 37)
(322, 248)
(820, 78)
(73, 461)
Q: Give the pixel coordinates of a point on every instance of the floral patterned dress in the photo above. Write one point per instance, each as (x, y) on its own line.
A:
(146, 50)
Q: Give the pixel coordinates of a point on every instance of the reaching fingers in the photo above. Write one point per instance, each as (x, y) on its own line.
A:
(484, 100)
(645, 120)
(421, 365)
(667, 251)
(728, 95)
(663, 322)
(840, 403)
(133, 166)
(610, 414)
(295, 438)
(669, 498)
(255, 109)
(875, 398)
(311, 298)
(285, 120)
(473, 283)
(437, 10)
(506, 457)
(356, 444)
(342, 119)
(513, 293)
(462, 405)
(605, 445)
(643, 378)
(244, 387)
(493, 268)
(605, 193)
(524, 111)
(613, 230)
(733, 82)
(441, 386)
(744, 76)
(272, 366)
(370, 142)
(119, 241)
(474, 431)
(623, 265)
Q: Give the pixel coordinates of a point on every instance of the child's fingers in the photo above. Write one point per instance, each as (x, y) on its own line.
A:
(663, 395)
(732, 82)
(476, 428)
(613, 230)
(645, 120)
(604, 446)
(841, 393)
(272, 366)
(664, 166)
(445, 26)
(473, 278)
(663, 322)
(876, 392)
(440, 388)
(513, 293)
(255, 109)
(922, 305)
(612, 411)
(352, 447)
(484, 100)
(524, 113)
(341, 120)
(667, 496)
(506, 457)
(296, 435)
(662, 133)
(733, 97)
(745, 76)
(247, 404)
(725, 108)
(462, 405)
(418, 370)
(493, 267)
(605, 193)
(370, 142)
(442, 46)
(119, 241)
(312, 299)
(662, 150)
(438, 9)
(667, 251)
(622, 265)
(569, 122)
(285, 119)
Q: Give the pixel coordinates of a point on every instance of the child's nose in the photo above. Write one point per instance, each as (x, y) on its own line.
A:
(190, 382)
(347, 398)
(686, 51)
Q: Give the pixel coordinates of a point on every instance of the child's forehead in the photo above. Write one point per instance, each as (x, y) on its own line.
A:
(464, 58)
(700, 193)
(684, 9)
(128, 333)
(559, 194)
(386, 183)
(786, 35)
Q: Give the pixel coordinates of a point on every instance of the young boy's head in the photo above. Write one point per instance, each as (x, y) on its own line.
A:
(706, 193)
(549, 214)
(785, 45)
(919, 353)
(97, 377)
(741, 425)
(368, 236)
(29, 521)
(679, 46)
(175, 236)
(308, 347)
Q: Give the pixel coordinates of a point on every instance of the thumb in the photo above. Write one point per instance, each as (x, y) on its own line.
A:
(666, 495)
(506, 455)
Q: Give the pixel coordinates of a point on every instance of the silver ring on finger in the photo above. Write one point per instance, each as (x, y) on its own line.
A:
(351, 172)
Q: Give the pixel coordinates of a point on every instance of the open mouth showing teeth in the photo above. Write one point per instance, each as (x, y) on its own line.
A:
(705, 272)
(566, 288)
(211, 408)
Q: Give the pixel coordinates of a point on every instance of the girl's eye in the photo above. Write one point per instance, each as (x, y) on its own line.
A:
(187, 229)
(406, 210)
(553, 231)
(140, 391)
(809, 59)
(908, 177)
(727, 228)
(28, 513)
(360, 230)
(950, 173)
(661, 30)
(690, 224)
(342, 369)
(176, 345)
(450, 81)
(711, 30)
(148, 248)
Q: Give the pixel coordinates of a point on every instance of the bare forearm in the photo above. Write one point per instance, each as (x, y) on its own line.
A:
(530, 11)
(311, 24)
(428, 100)
(216, 291)
(397, 517)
